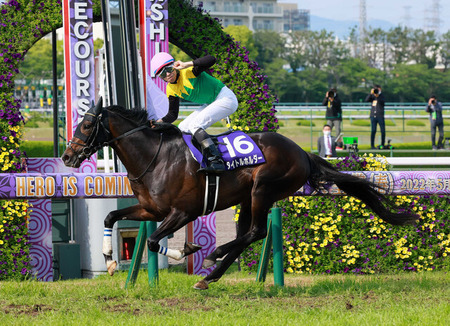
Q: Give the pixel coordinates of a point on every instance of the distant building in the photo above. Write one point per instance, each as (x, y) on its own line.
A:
(294, 19)
(258, 14)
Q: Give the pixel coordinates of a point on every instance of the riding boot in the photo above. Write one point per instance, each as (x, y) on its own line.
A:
(214, 161)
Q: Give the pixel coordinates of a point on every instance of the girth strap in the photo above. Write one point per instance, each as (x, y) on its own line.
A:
(211, 193)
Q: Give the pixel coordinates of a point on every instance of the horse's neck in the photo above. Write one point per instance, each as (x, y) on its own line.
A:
(137, 150)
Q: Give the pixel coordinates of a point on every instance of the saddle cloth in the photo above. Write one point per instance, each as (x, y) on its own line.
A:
(237, 149)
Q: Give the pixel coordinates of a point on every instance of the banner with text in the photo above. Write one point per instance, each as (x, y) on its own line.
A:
(154, 21)
(110, 185)
(78, 61)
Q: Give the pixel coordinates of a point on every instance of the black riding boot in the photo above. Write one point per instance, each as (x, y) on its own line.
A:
(210, 152)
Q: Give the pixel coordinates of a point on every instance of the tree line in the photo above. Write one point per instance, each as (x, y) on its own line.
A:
(410, 64)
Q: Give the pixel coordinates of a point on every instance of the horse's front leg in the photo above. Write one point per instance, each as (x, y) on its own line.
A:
(136, 213)
(173, 222)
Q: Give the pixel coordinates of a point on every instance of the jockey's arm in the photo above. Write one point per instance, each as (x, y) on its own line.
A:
(174, 107)
(202, 64)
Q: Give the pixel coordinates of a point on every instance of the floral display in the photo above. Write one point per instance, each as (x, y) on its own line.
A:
(327, 234)
(22, 23)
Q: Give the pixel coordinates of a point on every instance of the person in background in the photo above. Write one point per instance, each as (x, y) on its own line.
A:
(436, 121)
(333, 115)
(376, 115)
(190, 81)
(326, 144)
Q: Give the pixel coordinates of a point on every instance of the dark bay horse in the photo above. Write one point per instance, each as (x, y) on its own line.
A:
(165, 181)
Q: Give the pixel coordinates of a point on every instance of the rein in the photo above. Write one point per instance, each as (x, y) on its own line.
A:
(87, 148)
(150, 164)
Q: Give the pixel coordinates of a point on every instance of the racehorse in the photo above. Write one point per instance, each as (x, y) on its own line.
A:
(164, 178)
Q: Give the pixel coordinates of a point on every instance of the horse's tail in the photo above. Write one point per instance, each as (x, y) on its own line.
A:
(322, 171)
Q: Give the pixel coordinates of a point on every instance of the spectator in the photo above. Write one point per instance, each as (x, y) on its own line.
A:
(435, 109)
(333, 116)
(376, 115)
(326, 144)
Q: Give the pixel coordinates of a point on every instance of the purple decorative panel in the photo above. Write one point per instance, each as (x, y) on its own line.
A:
(40, 231)
(202, 232)
(40, 225)
(56, 165)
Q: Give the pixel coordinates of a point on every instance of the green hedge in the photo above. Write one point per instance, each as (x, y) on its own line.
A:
(40, 148)
(341, 235)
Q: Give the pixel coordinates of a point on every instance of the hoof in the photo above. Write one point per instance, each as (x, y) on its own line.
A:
(111, 267)
(207, 263)
(201, 285)
(190, 248)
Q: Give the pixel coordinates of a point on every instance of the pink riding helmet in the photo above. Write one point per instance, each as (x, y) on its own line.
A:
(160, 60)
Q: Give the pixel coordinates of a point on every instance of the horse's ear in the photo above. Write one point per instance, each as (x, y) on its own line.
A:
(99, 106)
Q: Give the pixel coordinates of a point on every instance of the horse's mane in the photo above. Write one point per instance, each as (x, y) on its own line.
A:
(140, 117)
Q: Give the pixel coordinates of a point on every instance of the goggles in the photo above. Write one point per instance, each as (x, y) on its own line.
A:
(165, 71)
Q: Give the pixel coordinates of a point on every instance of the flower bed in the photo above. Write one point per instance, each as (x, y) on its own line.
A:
(341, 235)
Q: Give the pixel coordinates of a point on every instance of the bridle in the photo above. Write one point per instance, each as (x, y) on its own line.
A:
(88, 148)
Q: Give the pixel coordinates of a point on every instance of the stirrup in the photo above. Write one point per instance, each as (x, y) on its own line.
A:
(216, 166)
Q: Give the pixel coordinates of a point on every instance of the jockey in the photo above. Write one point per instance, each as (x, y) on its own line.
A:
(190, 81)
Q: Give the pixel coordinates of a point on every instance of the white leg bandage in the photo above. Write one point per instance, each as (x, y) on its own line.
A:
(107, 242)
(175, 254)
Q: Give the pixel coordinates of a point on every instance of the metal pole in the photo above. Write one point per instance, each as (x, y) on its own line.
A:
(278, 270)
(55, 97)
(137, 255)
(265, 253)
(152, 258)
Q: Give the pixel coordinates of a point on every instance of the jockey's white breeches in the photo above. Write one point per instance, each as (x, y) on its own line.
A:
(225, 104)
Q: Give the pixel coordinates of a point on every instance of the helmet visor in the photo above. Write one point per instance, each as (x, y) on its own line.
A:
(165, 71)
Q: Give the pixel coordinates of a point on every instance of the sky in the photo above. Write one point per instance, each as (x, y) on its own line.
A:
(390, 10)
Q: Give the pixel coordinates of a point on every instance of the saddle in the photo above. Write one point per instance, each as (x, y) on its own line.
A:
(236, 147)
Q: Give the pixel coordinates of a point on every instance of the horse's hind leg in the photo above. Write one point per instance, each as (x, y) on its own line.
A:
(244, 221)
(136, 213)
(256, 231)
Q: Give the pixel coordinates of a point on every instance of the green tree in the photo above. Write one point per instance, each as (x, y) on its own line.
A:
(356, 79)
(98, 44)
(444, 50)
(296, 53)
(270, 46)
(319, 45)
(424, 47)
(313, 84)
(337, 54)
(243, 35)
(38, 61)
(399, 39)
(280, 80)
(411, 83)
(376, 48)
(178, 54)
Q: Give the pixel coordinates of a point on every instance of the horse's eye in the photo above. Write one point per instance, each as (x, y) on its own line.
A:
(87, 126)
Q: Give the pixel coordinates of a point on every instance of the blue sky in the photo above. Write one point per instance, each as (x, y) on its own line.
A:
(389, 10)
